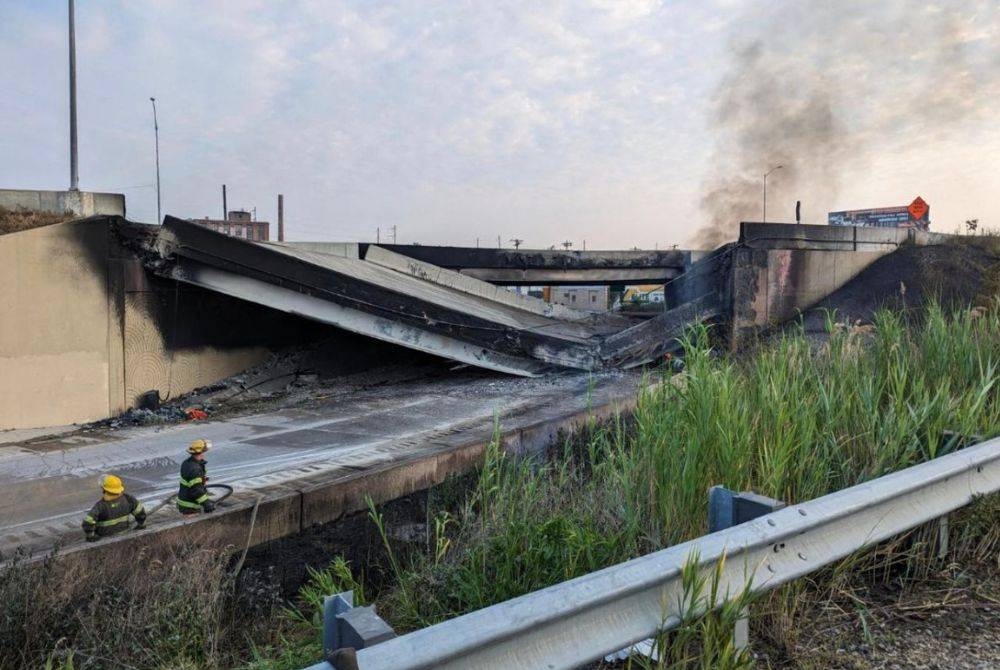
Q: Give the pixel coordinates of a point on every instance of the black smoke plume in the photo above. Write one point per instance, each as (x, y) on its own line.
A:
(822, 88)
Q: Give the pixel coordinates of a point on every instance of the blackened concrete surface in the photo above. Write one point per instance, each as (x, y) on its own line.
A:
(550, 266)
(390, 301)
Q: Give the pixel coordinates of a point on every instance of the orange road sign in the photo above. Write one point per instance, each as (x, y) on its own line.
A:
(917, 208)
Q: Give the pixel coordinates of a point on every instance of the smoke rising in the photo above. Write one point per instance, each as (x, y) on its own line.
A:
(822, 90)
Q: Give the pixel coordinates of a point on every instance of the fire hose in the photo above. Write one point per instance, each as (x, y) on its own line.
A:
(227, 491)
(226, 487)
(166, 501)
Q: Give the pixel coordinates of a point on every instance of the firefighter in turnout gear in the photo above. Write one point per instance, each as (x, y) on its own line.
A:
(193, 495)
(112, 512)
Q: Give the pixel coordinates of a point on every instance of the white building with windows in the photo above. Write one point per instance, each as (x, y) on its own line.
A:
(588, 298)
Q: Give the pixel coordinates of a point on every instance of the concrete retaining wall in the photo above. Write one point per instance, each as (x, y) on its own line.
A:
(779, 270)
(83, 332)
(56, 326)
(771, 286)
(159, 350)
(832, 238)
(81, 203)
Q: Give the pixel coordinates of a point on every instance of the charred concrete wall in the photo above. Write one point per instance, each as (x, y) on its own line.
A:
(779, 270)
(58, 327)
(177, 337)
(84, 330)
(771, 286)
(708, 276)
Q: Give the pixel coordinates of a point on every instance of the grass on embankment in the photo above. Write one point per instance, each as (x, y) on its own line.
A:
(16, 220)
(794, 421)
(791, 422)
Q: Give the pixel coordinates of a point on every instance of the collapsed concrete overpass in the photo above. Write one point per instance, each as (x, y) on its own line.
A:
(100, 311)
(77, 287)
(375, 292)
(536, 267)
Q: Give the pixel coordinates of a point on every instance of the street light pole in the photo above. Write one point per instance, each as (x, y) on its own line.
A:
(74, 172)
(764, 213)
(156, 135)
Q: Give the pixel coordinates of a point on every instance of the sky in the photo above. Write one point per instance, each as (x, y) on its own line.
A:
(607, 123)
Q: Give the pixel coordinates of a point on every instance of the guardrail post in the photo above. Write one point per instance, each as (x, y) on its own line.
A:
(727, 509)
(347, 628)
(332, 606)
(951, 441)
(942, 536)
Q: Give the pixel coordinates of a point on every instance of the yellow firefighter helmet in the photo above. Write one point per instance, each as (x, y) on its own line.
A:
(199, 446)
(113, 485)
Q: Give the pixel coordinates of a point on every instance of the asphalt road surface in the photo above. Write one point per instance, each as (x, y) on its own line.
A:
(47, 485)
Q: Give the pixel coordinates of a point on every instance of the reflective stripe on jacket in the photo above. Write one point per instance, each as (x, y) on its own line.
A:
(112, 516)
(192, 492)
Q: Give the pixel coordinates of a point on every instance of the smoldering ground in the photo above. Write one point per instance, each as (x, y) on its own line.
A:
(822, 89)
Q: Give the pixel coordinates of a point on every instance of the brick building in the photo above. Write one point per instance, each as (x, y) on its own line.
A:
(238, 224)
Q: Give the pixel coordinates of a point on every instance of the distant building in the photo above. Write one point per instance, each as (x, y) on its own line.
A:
(238, 224)
(644, 293)
(588, 298)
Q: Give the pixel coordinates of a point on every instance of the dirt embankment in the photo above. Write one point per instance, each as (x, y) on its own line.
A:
(950, 621)
(957, 275)
(14, 220)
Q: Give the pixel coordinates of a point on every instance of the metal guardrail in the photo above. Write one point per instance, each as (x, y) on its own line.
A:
(583, 619)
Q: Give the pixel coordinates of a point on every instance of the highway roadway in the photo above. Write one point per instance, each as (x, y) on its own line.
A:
(46, 485)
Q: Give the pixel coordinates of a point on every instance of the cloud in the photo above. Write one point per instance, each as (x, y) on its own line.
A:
(457, 120)
(860, 81)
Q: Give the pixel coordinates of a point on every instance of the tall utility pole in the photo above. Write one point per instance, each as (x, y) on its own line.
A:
(566, 245)
(764, 213)
(394, 234)
(74, 171)
(225, 208)
(517, 242)
(156, 134)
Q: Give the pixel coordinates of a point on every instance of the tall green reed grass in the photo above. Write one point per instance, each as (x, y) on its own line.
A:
(799, 418)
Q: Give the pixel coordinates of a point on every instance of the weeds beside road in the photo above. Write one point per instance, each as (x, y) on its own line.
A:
(791, 421)
(18, 219)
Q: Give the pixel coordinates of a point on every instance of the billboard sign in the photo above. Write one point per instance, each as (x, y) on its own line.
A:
(914, 215)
